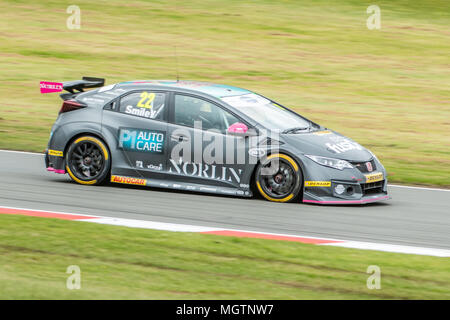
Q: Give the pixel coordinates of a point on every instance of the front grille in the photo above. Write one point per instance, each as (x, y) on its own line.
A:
(362, 166)
(372, 187)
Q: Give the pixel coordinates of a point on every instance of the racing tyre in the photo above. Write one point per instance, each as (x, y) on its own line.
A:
(280, 183)
(88, 160)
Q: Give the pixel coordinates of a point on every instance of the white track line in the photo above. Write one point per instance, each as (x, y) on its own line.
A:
(281, 234)
(418, 188)
(391, 248)
(24, 152)
(144, 224)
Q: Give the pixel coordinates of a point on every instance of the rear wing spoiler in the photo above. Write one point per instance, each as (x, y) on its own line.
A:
(79, 85)
(86, 82)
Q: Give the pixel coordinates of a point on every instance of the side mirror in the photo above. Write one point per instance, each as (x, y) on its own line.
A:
(241, 130)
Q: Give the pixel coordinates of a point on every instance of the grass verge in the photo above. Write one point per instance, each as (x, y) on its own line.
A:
(126, 263)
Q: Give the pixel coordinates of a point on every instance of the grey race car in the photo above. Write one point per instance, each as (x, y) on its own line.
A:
(206, 137)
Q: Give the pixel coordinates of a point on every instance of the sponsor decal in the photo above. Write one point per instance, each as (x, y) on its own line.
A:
(49, 87)
(94, 100)
(369, 166)
(244, 186)
(128, 180)
(149, 105)
(257, 152)
(141, 140)
(208, 171)
(140, 165)
(153, 167)
(374, 177)
(341, 144)
(55, 153)
(141, 112)
(246, 100)
(339, 189)
(317, 183)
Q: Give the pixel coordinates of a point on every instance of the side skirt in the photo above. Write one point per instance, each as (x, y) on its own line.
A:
(159, 183)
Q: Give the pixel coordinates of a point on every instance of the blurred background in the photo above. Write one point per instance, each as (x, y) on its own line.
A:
(386, 88)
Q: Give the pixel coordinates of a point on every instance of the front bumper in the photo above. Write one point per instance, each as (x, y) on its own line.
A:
(325, 185)
(331, 200)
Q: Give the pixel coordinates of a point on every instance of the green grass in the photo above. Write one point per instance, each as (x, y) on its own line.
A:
(388, 89)
(126, 263)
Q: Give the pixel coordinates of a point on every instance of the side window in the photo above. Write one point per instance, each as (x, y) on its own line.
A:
(144, 104)
(190, 109)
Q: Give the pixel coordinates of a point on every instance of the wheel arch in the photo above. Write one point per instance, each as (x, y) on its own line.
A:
(108, 156)
(300, 164)
(86, 133)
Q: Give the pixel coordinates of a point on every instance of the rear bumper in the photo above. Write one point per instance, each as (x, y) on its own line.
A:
(54, 163)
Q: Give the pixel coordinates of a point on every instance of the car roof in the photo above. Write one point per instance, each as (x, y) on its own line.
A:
(213, 89)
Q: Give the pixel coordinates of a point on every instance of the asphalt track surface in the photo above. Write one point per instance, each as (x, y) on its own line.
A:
(413, 217)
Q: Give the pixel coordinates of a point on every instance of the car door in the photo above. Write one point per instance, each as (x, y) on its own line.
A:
(138, 124)
(200, 150)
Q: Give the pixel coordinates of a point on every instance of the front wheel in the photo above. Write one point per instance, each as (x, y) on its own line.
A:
(278, 178)
(88, 160)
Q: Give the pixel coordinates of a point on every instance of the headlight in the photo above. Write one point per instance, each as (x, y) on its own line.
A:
(331, 162)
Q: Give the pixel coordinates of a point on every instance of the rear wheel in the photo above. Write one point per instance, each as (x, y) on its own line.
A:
(88, 160)
(278, 178)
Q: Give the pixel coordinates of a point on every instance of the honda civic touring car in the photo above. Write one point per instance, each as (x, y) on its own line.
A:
(205, 137)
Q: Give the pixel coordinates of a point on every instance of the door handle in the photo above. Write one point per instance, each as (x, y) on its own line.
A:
(179, 138)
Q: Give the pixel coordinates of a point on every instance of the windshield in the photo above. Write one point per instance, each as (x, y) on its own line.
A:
(267, 113)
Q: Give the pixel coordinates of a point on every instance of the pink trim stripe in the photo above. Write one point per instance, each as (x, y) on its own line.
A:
(257, 235)
(348, 201)
(60, 171)
(43, 214)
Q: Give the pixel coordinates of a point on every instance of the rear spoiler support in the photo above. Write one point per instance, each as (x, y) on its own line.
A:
(79, 85)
